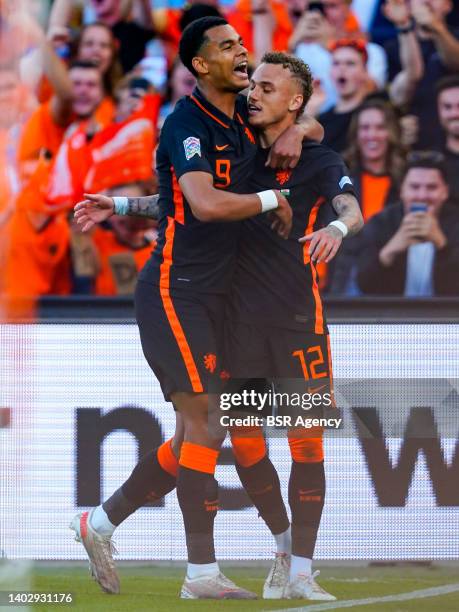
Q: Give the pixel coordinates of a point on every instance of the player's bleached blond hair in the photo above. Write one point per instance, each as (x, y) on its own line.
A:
(298, 69)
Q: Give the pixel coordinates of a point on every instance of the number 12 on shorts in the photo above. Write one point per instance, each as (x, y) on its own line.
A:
(312, 362)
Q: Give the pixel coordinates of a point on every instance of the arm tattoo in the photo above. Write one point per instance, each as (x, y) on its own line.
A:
(144, 207)
(348, 209)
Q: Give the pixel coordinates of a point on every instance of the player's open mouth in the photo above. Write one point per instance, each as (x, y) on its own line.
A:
(341, 81)
(253, 110)
(241, 69)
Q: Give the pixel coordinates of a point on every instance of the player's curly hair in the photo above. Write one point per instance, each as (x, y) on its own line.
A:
(299, 70)
(194, 37)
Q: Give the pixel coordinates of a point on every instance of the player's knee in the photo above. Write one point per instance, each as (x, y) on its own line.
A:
(248, 444)
(306, 450)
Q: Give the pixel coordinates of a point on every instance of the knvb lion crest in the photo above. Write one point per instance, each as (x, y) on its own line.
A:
(283, 176)
(210, 362)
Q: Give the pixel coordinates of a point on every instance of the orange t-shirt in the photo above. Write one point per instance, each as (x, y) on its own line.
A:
(69, 167)
(240, 17)
(352, 25)
(35, 258)
(38, 261)
(40, 132)
(374, 191)
(123, 152)
(105, 112)
(119, 265)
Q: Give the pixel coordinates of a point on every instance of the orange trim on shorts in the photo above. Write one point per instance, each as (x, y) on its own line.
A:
(169, 309)
(177, 195)
(198, 458)
(166, 458)
(203, 108)
(248, 444)
(319, 315)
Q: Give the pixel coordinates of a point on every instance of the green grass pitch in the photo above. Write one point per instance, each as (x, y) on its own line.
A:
(155, 589)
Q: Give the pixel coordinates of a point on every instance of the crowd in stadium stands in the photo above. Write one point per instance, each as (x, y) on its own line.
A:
(85, 89)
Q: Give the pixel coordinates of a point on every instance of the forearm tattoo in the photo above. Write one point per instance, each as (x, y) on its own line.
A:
(348, 210)
(144, 207)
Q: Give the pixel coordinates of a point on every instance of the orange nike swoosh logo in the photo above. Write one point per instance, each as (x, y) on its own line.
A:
(221, 147)
(308, 491)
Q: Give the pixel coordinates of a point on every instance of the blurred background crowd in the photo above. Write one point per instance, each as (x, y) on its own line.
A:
(85, 86)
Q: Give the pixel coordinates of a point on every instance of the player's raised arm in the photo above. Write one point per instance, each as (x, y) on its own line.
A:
(209, 204)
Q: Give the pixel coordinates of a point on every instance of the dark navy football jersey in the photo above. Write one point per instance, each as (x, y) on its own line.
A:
(275, 282)
(197, 137)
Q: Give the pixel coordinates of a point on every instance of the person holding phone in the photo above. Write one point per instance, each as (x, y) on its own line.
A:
(412, 248)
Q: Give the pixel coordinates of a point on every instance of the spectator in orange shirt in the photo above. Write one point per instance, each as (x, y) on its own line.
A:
(38, 257)
(123, 151)
(14, 102)
(124, 247)
(376, 160)
(375, 156)
(96, 44)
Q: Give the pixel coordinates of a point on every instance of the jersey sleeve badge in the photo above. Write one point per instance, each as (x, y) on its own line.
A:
(192, 146)
(344, 181)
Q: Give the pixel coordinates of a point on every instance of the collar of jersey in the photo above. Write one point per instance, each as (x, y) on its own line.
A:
(203, 103)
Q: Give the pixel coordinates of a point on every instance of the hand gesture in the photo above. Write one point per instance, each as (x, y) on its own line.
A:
(94, 209)
(286, 150)
(424, 227)
(323, 244)
(417, 226)
(58, 36)
(282, 216)
(426, 18)
(397, 12)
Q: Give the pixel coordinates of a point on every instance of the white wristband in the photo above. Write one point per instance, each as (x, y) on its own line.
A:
(341, 226)
(121, 205)
(268, 200)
